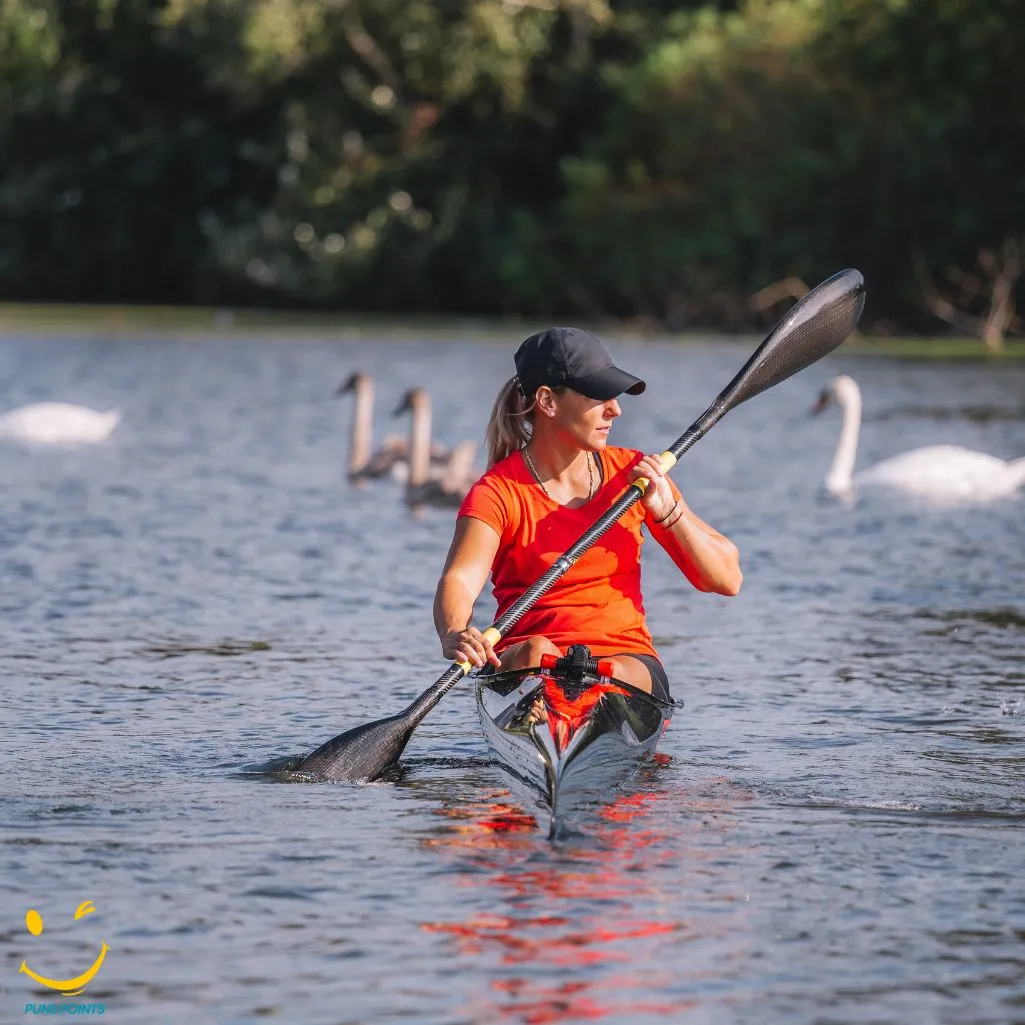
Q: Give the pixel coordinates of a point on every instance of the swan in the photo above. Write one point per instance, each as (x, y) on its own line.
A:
(392, 458)
(446, 483)
(58, 423)
(938, 471)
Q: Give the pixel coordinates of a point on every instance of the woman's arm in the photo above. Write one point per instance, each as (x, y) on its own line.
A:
(708, 559)
(469, 561)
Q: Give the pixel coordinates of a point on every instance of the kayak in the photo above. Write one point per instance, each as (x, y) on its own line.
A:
(567, 734)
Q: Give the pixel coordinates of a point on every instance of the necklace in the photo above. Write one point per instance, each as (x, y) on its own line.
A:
(541, 484)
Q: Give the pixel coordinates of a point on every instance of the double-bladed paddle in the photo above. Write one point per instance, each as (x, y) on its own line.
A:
(813, 327)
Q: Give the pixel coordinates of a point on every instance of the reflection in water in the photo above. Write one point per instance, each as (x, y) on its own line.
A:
(587, 930)
(225, 648)
(1001, 618)
(976, 414)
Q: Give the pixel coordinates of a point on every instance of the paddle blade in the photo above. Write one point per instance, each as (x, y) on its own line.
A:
(811, 329)
(361, 754)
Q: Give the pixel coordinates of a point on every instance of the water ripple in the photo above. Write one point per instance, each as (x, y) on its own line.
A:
(832, 832)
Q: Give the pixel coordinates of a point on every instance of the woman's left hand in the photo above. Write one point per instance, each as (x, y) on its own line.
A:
(658, 496)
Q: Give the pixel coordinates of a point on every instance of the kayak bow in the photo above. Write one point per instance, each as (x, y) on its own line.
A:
(567, 734)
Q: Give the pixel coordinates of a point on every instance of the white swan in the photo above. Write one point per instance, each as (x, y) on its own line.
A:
(58, 423)
(939, 471)
(444, 484)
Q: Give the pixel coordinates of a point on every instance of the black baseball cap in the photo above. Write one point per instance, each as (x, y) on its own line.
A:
(573, 358)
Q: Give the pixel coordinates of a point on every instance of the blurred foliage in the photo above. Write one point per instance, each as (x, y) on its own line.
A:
(630, 157)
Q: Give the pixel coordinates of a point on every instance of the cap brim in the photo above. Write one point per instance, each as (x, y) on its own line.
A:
(607, 384)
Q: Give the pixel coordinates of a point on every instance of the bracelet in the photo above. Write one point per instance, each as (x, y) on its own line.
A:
(669, 526)
(670, 513)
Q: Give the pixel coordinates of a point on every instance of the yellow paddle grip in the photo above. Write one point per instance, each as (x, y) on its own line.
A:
(668, 462)
(493, 636)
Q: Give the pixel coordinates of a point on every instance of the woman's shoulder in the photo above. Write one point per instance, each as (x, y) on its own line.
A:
(506, 471)
(492, 497)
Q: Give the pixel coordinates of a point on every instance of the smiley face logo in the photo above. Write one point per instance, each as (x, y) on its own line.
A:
(69, 987)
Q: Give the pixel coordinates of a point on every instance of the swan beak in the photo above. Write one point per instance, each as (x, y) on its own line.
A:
(348, 385)
(823, 401)
(404, 406)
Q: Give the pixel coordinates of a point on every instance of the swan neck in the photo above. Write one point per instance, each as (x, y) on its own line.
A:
(420, 443)
(1016, 469)
(842, 471)
(363, 411)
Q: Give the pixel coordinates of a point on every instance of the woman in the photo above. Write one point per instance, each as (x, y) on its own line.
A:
(551, 474)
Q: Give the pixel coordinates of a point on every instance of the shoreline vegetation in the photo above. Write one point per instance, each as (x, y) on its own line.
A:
(71, 320)
(665, 166)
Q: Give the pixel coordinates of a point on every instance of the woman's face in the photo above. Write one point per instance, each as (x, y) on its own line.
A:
(575, 416)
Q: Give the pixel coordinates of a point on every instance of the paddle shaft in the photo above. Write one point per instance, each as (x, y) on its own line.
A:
(630, 496)
(512, 615)
(815, 326)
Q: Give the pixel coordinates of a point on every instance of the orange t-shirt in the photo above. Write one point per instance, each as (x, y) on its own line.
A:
(597, 601)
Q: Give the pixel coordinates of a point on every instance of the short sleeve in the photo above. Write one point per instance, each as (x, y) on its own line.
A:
(485, 502)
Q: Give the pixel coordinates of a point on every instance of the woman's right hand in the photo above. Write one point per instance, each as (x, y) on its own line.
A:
(469, 645)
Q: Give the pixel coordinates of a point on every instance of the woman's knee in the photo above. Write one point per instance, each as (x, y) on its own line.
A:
(528, 653)
(632, 671)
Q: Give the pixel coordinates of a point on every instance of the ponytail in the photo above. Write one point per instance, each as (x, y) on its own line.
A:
(511, 422)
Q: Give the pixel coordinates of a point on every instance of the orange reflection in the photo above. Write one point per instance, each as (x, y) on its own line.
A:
(565, 715)
(582, 931)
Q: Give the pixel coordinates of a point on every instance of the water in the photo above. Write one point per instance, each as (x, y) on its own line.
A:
(834, 833)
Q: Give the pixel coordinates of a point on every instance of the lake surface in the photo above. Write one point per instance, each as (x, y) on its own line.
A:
(833, 834)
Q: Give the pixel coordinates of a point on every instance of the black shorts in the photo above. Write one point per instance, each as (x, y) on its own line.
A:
(657, 672)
